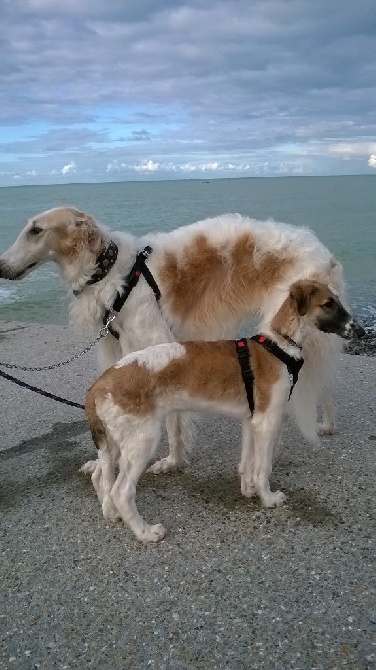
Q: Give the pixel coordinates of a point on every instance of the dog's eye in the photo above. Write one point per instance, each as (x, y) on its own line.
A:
(35, 230)
(329, 303)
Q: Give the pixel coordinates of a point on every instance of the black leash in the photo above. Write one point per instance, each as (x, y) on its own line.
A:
(139, 268)
(46, 394)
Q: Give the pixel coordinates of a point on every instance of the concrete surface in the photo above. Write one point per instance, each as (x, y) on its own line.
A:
(232, 585)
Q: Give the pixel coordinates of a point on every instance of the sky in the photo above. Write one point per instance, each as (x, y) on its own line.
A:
(113, 90)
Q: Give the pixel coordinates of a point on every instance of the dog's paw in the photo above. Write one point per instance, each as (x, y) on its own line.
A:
(275, 499)
(153, 533)
(88, 467)
(326, 429)
(248, 489)
(163, 466)
(110, 511)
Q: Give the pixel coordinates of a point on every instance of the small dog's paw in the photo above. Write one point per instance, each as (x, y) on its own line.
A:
(326, 429)
(163, 466)
(275, 499)
(88, 467)
(153, 533)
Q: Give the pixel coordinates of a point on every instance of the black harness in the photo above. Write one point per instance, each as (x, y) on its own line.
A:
(131, 280)
(293, 365)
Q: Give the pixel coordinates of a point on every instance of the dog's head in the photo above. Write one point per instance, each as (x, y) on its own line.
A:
(320, 308)
(59, 235)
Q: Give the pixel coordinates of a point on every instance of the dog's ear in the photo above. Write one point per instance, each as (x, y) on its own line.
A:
(301, 293)
(90, 230)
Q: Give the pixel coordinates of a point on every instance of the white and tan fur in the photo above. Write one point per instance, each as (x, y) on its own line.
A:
(214, 275)
(127, 405)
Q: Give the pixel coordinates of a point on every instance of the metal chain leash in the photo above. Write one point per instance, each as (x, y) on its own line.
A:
(102, 333)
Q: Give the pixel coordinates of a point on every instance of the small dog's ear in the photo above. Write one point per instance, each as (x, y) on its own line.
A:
(301, 293)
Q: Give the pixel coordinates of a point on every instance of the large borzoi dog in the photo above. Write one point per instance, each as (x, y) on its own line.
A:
(213, 276)
(126, 406)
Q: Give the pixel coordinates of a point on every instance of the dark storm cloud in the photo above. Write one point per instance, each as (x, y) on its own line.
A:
(203, 78)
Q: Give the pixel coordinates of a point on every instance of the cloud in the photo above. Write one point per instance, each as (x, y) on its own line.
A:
(70, 167)
(147, 166)
(372, 161)
(228, 82)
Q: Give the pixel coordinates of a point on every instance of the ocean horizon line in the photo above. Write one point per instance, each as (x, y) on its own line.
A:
(203, 178)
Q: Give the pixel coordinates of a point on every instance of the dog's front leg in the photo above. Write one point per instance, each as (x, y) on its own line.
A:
(247, 460)
(266, 434)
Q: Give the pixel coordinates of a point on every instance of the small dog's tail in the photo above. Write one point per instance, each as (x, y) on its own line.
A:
(96, 425)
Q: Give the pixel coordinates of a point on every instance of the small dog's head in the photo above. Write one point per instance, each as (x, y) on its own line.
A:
(320, 308)
(59, 235)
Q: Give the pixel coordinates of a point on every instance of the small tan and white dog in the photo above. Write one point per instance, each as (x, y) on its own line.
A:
(213, 275)
(126, 406)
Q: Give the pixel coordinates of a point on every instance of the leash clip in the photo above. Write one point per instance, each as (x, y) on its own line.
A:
(105, 329)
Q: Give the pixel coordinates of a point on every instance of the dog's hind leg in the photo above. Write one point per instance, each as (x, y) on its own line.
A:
(266, 434)
(107, 463)
(179, 431)
(138, 446)
(247, 460)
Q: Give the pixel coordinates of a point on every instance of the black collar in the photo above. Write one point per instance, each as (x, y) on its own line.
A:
(289, 340)
(105, 261)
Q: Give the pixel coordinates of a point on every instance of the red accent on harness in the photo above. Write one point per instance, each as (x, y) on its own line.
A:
(138, 273)
(261, 339)
(240, 344)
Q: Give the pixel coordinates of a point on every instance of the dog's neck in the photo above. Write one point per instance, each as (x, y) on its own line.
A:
(104, 262)
(286, 329)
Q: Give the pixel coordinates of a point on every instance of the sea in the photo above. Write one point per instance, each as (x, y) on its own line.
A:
(340, 210)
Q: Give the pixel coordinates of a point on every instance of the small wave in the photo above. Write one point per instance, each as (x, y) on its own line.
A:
(6, 295)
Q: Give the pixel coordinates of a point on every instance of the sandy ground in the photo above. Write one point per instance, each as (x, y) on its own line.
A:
(232, 585)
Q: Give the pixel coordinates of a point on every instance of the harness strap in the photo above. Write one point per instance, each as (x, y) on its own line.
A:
(242, 351)
(293, 365)
(139, 268)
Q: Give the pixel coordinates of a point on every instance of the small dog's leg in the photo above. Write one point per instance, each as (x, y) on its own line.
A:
(96, 480)
(175, 424)
(107, 465)
(328, 425)
(247, 460)
(266, 435)
(136, 450)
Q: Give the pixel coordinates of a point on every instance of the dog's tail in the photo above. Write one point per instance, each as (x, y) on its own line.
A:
(96, 425)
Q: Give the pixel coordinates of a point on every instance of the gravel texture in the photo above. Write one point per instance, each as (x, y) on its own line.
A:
(232, 586)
